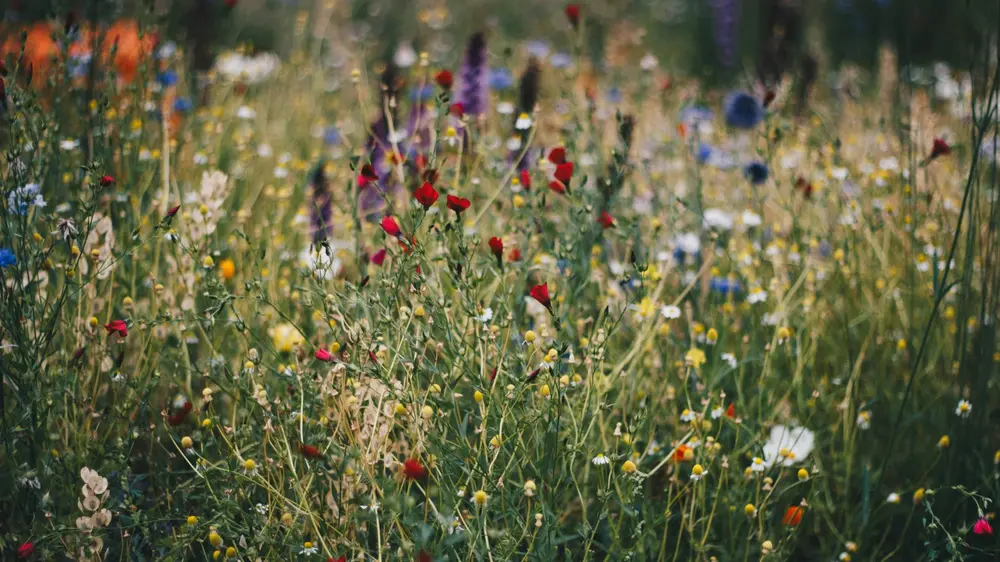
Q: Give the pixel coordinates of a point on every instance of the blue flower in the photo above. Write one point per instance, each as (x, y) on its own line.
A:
(422, 94)
(756, 172)
(561, 60)
(704, 153)
(183, 105)
(694, 114)
(724, 285)
(743, 111)
(500, 79)
(167, 78)
(7, 258)
(331, 137)
(614, 94)
(21, 198)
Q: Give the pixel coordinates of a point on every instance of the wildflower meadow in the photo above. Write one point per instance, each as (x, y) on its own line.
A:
(352, 280)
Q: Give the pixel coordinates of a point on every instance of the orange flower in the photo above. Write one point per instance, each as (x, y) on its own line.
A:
(40, 50)
(680, 455)
(793, 516)
(227, 268)
(131, 48)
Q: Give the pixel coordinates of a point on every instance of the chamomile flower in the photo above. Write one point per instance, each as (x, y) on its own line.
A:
(600, 460)
(523, 122)
(963, 409)
(698, 472)
(864, 420)
(687, 415)
(730, 360)
(892, 498)
(670, 312)
(308, 548)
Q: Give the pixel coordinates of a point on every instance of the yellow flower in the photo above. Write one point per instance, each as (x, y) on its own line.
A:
(479, 498)
(227, 268)
(529, 336)
(231, 552)
(187, 442)
(215, 539)
(803, 475)
(646, 308)
(192, 520)
(628, 467)
(544, 391)
(250, 465)
(207, 262)
(478, 396)
(750, 510)
(695, 358)
(286, 337)
(944, 442)
(419, 311)
(918, 496)
(286, 519)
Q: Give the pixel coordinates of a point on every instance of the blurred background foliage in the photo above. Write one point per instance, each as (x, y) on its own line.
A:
(683, 34)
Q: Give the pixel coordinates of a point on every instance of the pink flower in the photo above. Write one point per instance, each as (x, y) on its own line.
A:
(390, 226)
(25, 550)
(324, 355)
(378, 258)
(982, 527)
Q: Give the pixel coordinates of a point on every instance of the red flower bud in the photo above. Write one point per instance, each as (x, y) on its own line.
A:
(309, 451)
(444, 79)
(106, 181)
(413, 470)
(25, 550)
(525, 180)
(940, 148)
(606, 220)
(557, 155)
(378, 257)
(173, 211)
(324, 355)
(496, 246)
(367, 175)
(573, 14)
(390, 227)
(541, 294)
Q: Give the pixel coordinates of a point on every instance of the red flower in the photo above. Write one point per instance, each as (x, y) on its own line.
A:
(793, 516)
(541, 294)
(117, 327)
(106, 181)
(496, 246)
(573, 14)
(424, 556)
(731, 411)
(178, 417)
(606, 220)
(379, 257)
(25, 550)
(557, 187)
(457, 109)
(338, 559)
(525, 180)
(367, 175)
(413, 470)
(564, 172)
(173, 211)
(557, 155)
(458, 204)
(680, 453)
(426, 195)
(390, 227)
(444, 79)
(940, 148)
(982, 527)
(309, 451)
(515, 255)
(324, 355)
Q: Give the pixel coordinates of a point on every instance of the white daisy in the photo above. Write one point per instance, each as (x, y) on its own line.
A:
(963, 409)
(523, 122)
(600, 460)
(670, 312)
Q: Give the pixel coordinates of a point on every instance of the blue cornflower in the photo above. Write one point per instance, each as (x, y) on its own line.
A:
(743, 111)
(183, 105)
(756, 172)
(422, 94)
(704, 153)
(561, 60)
(167, 78)
(724, 285)
(21, 198)
(614, 94)
(500, 79)
(7, 258)
(331, 137)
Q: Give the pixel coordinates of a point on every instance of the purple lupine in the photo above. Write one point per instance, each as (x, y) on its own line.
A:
(726, 17)
(473, 87)
(321, 207)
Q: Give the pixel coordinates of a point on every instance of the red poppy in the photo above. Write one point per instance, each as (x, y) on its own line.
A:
(940, 148)
(573, 14)
(367, 175)
(338, 559)
(309, 451)
(564, 172)
(458, 204)
(379, 257)
(606, 220)
(444, 79)
(25, 550)
(106, 181)
(426, 195)
(557, 155)
(173, 211)
(117, 327)
(525, 180)
(731, 411)
(541, 294)
(496, 246)
(390, 227)
(793, 516)
(515, 255)
(457, 109)
(413, 470)
(324, 355)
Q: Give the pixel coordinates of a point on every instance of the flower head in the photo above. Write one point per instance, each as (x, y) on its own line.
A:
(117, 327)
(426, 195)
(390, 226)
(963, 409)
(458, 204)
(756, 173)
(788, 446)
(743, 111)
(444, 79)
(573, 14)
(7, 258)
(541, 294)
(413, 470)
(982, 527)
(793, 516)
